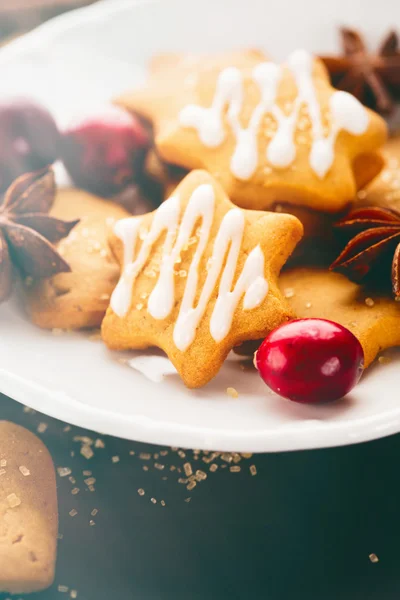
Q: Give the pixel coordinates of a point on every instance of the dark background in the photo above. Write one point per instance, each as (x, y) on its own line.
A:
(302, 528)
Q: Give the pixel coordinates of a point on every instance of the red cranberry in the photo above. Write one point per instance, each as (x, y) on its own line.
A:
(310, 360)
(104, 152)
(29, 139)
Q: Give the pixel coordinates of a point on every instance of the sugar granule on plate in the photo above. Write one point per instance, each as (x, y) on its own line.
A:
(63, 589)
(67, 428)
(384, 360)
(72, 480)
(24, 470)
(153, 500)
(86, 473)
(99, 443)
(141, 492)
(232, 392)
(73, 512)
(253, 469)
(94, 512)
(41, 428)
(213, 467)
(92, 523)
(234, 469)
(13, 500)
(159, 466)
(75, 491)
(73, 594)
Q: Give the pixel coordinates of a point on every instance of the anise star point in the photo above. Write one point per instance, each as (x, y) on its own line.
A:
(27, 232)
(373, 77)
(374, 244)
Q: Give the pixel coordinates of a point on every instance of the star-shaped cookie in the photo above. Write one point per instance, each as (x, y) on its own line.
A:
(199, 276)
(373, 318)
(267, 132)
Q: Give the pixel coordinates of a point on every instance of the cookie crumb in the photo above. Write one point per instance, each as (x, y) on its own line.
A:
(24, 470)
(373, 558)
(232, 392)
(13, 500)
(369, 302)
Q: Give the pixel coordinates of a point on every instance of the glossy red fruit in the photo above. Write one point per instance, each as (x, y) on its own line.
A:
(310, 360)
(29, 139)
(104, 152)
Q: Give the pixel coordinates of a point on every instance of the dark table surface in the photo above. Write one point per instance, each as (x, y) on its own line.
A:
(303, 527)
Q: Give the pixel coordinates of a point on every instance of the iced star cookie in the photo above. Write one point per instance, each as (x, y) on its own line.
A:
(199, 276)
(78, 299)
(28, 512)
(373, 318)
(269, 133)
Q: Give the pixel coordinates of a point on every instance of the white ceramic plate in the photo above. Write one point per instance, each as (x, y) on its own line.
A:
(79, 61)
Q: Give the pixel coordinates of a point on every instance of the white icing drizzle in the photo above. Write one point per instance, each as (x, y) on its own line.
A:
(251, 282)
(347, 114)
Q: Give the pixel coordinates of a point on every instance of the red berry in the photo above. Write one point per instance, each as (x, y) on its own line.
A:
(103, 153)
(29, 139)
(310, 360)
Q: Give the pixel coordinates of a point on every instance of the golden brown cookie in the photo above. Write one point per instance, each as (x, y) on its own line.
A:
(373, 318)
(199, 276)
(384, 191)
(28, 512)
(268, 133)
(78, 299)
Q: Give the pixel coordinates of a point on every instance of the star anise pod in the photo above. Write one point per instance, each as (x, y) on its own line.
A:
(374, 78)
(374, 246)
(27, 232)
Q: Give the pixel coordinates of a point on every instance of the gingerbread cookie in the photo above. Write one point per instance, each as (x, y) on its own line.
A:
(268, 133)
(199, 276)
(78, 299)
(384, 191)
(28, 512)
(373, 318)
